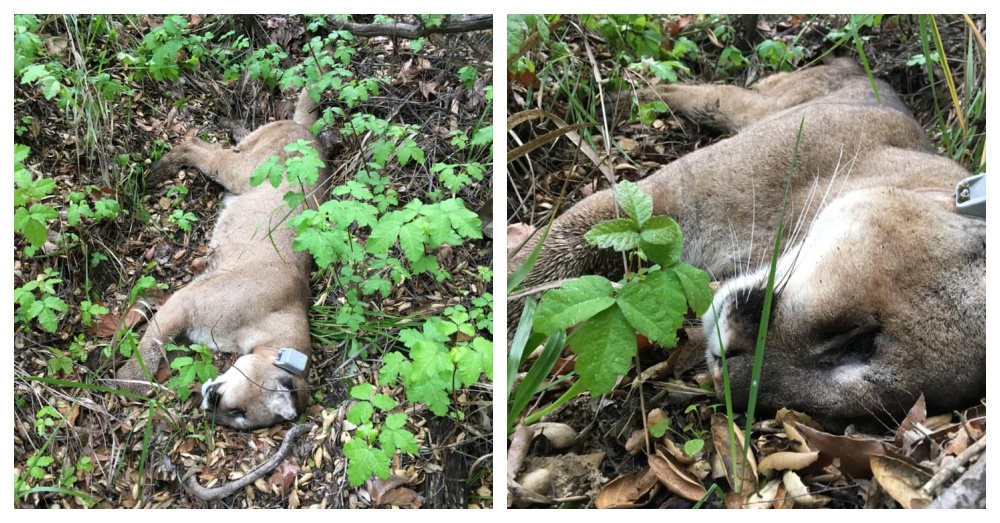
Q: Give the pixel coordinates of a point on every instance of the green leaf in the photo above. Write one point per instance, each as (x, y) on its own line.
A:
(360, 413)
(605, 345)
(271, 170)
(576, 301)
(637, 204)
(430, 360)
(397, 438)
(660, 230)
(664, 255)
(363, 461)
(471, 363)
(621, 234)
(649, 111)
(362, 391)
(393, 364)
(411, 240)
(658, 429)
(384, 402)
(384, 233)
(181, 362)
(34, 72)
(696, 287)
(654, 306)
(396, 420)
(433, 393)
(693, 446)
(465, 222)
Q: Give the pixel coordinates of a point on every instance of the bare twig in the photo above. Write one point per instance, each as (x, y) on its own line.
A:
(212, 494)
(464, 24)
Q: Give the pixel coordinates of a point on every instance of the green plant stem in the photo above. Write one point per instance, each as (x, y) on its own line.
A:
(575, 390)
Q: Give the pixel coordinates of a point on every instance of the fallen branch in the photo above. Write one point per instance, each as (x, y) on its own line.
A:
(413, 31)
(214, 493)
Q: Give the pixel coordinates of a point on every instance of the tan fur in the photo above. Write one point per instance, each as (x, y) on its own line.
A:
(254, 293)
(876, 259)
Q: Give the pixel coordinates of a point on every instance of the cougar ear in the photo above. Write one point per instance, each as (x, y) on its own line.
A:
(282, 401)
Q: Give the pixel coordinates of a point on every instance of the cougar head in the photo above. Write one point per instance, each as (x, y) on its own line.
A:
(254, 393)
(884, 299)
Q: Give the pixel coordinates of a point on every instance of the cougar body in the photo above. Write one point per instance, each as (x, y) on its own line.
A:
(880, 292)
(253, 298)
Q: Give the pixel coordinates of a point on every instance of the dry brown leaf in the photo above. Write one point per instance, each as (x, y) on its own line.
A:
(378, 487)
(402, 497)
(284, 476)
(917, 416)
(734, 500)
(669, 447)
(538, 481)
(854, 455)
(105, 326)
(765, 497)
(428, 88)
(627, 491)
(787, 461)
(901, 480)
(636, 443)
(560, 435)
(797, 490)
(677, 480)
(742, 476)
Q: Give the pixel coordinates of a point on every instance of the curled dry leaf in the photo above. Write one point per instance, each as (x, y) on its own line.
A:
(741, 472)
(854, 455)
(669, 447)
(787, 461)
(636, 442)
(538, 481)
(797, 491)
(676, 478)
(901, 479)
(628, 491)
(915, 418)
(655, 416)
(560, 435)
(765, 497)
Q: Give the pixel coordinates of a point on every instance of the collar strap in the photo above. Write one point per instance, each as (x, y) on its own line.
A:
(970, 196)
(287, 358)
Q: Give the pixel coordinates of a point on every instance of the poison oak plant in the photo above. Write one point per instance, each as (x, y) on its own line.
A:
(370, 243)
(651, 301)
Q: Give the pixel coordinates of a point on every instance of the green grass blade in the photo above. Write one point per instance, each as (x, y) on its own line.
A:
(536, 376)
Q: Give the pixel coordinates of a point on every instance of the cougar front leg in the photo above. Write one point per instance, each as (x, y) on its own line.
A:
(168, 323)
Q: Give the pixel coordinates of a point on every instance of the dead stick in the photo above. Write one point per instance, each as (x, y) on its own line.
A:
(214, 493)
(948, 471)
(400, 30)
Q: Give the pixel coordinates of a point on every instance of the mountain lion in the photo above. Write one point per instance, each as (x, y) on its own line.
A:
(253, 299)
(880, 290)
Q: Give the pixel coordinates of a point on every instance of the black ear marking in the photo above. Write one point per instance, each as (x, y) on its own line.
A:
(213, 397)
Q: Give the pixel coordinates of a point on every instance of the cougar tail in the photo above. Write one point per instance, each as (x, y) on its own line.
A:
(306, 112)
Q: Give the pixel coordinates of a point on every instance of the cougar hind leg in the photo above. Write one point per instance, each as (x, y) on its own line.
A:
(211, 159)
(729, 108)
